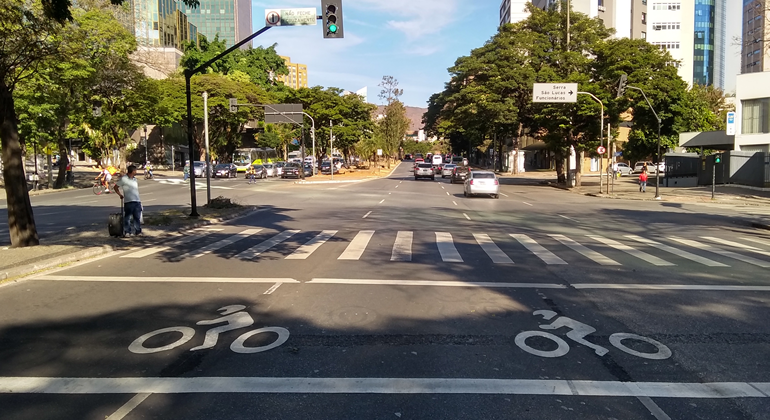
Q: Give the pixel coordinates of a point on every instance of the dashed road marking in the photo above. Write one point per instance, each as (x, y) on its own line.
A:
(402, 248)
(729, 254)
(129, 406)
(676, 251)
(446, 247)
(455, 202)
(568, 218)
(383, 200)
(357, 246)
(632, 251)
(366, 215)
(527, 204)
(466, 216)
(272, 290)
(588, 253)
(493, 251)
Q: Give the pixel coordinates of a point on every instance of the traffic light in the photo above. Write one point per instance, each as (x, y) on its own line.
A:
(718, 159)
(622, 85)
(233, 105)
(332, 18)
(97, 111)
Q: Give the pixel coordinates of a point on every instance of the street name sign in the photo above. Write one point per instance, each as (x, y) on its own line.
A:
(303, 16)
(560, 93)
(730, 123)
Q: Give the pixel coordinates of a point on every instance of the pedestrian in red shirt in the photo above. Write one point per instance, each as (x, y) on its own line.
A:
(643, 181)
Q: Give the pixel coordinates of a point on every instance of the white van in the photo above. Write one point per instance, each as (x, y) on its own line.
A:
(437, 159)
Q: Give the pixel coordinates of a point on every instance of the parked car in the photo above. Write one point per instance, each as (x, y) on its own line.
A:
(447, 169)
(261, 172)
(424, 170)
(459, 174)
(225, 170)
(624, 169)
(482, 182)
(640, 165)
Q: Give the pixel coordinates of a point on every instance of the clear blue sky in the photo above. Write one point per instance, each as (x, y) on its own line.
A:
(413, 40)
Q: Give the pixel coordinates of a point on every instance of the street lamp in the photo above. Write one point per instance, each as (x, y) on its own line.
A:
(657, 168)
(146, 153)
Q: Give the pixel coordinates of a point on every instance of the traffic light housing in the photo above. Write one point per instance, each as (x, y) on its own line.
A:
(622, 85)
(718, 158)
(233, 105)
(332, 19)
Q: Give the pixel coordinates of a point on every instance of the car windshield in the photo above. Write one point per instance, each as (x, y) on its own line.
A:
(223, 166)
(269, 166)
(424, 165)
(258, 167)
(200, 163)
(484, 175)
(449, 166)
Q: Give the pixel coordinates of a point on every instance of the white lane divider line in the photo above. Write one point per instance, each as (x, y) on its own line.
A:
(442, 187)
(383, 200)
(586, 252)
(504, 195)
(568, 218)
(493, 251)
(112, 279)
(654, 409)
(272, 290)
(446, 247)
(256, 250)
(221, 244)
(737, 245)
(632, 251)
(402, 248)
(366, 215)
(396, 186)
(676, 251)
(357, 246)
(303, 252)
(156, 249)
(437, 283)
(755, 240)
(129, 406)
(547, 256)
(699, 287)
(295, 385)
(527, 204)
(466, 216)
(447, 193)
(455, 202)
(715, 250)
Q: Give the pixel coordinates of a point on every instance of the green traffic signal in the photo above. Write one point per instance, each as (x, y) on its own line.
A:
(333, 29)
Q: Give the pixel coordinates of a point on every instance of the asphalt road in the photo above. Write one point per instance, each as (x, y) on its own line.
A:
(402, 299)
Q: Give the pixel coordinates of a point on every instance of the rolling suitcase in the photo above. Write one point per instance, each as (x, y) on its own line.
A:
(115, 223)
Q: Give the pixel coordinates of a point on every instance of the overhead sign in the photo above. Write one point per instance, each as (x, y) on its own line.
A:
(284, 113)
(291, 17)
(561, 93)
(600, 150)
(730, 123)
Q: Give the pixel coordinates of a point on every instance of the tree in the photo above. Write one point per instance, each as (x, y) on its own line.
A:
(390, 91)
(392, 128)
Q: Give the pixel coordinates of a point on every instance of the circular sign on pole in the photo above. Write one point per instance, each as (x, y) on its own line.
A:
(601, 150)
(273, 18)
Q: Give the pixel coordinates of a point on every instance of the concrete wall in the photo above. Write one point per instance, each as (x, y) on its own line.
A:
(750, 86)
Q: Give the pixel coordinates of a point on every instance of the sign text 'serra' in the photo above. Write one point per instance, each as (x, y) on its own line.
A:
(555, 92)
(291, 17)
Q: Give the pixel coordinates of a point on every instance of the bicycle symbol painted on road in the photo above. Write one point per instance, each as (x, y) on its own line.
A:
(578, 333)
(234, 319)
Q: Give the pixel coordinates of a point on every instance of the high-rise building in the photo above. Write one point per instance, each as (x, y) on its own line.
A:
(756, 29)
(693, 32)
(628, 17)
(297, 77)
(161, 29)
(231, 19)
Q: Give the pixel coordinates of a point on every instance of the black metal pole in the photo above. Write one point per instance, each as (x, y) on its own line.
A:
(188, 74)
(657, 170)
(713, 179)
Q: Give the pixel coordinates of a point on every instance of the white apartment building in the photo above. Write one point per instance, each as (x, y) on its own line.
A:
(693, 32)
(512, 11)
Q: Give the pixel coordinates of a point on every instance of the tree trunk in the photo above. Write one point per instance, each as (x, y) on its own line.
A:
(49, 162)
(579, 168)
(64, 161)
(561, 176)
(21, 221)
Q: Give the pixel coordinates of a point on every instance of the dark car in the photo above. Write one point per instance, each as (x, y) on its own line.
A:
(407, 157)
(459, 174)
(261, 172)
(225, 170)
(291, 170)
(339, 167)
(308, 168)
(438, 168)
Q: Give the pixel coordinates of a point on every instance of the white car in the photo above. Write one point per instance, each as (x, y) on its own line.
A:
(270, 170)
(624, 169)
(482, 182)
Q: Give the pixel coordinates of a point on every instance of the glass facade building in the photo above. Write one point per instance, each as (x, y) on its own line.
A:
(161, 23)
(704, 42)
(230, 19)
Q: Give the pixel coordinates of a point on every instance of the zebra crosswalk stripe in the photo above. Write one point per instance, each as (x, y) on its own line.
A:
(156, 249)
(547, 256)
(402, 248)
(677, 251)
(736, 245)
(256, 250)
(755, 240)
(221, 244)
(495, 253)
(588, 253)
(303, 252)
(446, 247)
(357, 246)
(632, 251)
(729, 254)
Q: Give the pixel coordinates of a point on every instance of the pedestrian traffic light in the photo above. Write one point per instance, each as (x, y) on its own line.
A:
(332, 18)
(718, 159)
(622, 85)
(233, 105)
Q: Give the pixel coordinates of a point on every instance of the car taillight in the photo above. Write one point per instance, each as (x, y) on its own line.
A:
(471, 182)
(497, 183)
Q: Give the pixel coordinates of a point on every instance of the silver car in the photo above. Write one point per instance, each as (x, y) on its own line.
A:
(447, 170)
(482, 182)
(424, 170)
(271, 170)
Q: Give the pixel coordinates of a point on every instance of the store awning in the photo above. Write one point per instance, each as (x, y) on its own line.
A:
(715, 140)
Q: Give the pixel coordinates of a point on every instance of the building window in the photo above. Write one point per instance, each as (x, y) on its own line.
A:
(644, 18)
(644, 35)
(756, 116)
(664, 26)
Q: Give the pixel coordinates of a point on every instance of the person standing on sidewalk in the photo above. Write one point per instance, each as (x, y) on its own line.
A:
(132, 205)
(643, 181)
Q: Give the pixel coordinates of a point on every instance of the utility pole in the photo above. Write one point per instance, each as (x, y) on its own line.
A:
(601, 139)
(331, 150)
(206, 135)
(568, 7)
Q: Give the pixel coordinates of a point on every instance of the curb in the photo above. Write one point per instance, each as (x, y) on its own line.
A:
(352, 181)
(26, 270)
